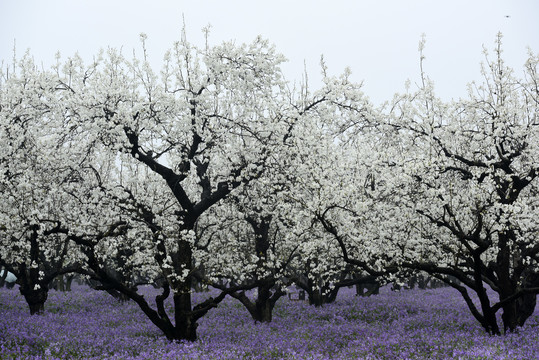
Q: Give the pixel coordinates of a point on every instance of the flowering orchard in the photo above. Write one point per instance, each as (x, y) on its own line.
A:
(216, 172)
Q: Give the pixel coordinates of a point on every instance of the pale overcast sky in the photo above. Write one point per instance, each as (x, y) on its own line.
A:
(377, 39)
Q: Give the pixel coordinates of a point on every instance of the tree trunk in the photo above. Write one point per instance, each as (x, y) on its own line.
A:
(318, 295)
(185, 324)
(422, 282)
(515, 313)
(315, 298)
(68, 282)
(261, 309)
(526, 306)
(35, 298)
(509, 317)
(3, 277)
(264, 312)
(185, 327)
(507, 284)
(373, 288)
(412, 281)
(489, 321)
(318, 298)
(61, 283)
(490, 324)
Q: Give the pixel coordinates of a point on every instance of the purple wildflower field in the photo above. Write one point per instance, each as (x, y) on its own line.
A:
(411, 324)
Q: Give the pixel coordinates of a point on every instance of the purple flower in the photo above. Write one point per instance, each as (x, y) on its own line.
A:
(411, 324)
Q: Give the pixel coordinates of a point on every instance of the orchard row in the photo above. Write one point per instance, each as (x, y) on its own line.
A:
(218, 172)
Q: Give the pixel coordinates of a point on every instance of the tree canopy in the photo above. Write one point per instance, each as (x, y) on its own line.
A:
(218, 172)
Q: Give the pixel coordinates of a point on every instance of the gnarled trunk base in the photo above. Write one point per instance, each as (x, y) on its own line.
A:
(35, 298)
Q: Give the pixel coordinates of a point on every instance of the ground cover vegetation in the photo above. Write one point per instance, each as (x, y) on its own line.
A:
(410, 324)
(216, 172)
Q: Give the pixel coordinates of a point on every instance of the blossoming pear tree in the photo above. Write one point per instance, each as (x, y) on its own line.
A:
(337, 196)
(251, 229)
(269, 243)
(469, 174)
(40, 175)
(204, 128)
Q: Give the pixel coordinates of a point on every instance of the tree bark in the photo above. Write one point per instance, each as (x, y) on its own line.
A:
(3, 277)
(35, 298)
(526, 305)
(261, 309)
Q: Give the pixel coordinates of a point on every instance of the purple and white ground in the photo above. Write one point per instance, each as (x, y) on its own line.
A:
(412, 324)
